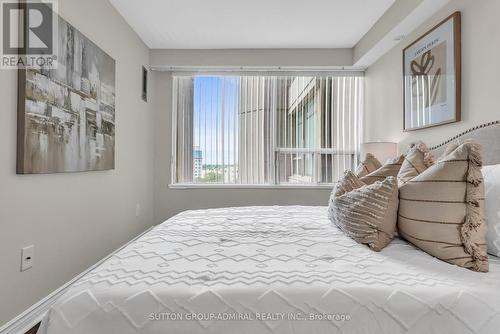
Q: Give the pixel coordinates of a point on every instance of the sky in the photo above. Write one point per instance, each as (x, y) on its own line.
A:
(216, 118)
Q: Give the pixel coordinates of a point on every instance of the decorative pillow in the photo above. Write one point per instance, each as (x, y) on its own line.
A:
(366, 213)
(368, 165)
(390, 168)
(417, 159)
(492, 207)
(442, 210)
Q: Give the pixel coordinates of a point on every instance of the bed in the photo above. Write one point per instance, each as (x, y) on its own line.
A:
(277, 269)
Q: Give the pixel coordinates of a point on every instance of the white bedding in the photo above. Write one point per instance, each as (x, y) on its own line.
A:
(264, 263)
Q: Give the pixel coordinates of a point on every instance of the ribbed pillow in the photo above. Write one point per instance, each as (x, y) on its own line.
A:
(442, 210)
(390, 168)
(368, 165)
(417, 159)
(366, 213)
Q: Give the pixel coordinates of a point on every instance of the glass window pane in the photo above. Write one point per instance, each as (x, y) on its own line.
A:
(244, 129)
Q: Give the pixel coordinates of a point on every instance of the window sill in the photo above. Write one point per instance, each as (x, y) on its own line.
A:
(183, 186)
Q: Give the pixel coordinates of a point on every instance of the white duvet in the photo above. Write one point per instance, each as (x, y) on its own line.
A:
(273, 270)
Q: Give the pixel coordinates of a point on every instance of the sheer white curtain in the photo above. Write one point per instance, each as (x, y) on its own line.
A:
(266, 129)
(183, 141)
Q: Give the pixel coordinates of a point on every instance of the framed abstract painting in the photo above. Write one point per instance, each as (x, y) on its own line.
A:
(66, 114)
(432, 77)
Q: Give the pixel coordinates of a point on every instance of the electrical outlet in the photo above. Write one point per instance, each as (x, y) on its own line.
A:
(137, 210)
(27, 257)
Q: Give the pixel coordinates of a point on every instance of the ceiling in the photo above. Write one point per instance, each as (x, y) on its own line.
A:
(240, 24)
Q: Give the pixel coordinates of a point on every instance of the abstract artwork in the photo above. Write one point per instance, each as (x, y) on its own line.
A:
(66, 115)
(432, 77)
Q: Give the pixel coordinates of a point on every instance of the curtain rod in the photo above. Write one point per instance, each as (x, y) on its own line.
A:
(174, 68)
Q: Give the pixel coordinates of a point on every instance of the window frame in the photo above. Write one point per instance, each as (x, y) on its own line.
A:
(172, 184)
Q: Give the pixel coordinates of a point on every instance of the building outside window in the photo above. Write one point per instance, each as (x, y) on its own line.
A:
(197, 163)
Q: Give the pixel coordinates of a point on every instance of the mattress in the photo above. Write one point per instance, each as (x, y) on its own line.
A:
(280, 269)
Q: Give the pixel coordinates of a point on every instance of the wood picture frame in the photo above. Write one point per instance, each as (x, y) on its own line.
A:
(432, 77)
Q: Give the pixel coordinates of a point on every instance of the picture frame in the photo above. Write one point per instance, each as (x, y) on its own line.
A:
(144, 85)
(66, 115)
(432, 77)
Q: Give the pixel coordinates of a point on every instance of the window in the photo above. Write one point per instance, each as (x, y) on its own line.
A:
(265, 129)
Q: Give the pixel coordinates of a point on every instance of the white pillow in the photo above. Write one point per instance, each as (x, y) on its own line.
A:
(491, 176)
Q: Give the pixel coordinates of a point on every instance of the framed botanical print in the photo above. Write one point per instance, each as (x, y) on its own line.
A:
(432, 78)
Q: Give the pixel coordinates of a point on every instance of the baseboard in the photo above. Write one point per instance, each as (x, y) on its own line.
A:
(29, 318)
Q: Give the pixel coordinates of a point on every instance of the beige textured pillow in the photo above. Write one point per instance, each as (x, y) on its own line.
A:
(390, 168)
(368, 165)
(417, 159)
(442, 210)
(366, 213)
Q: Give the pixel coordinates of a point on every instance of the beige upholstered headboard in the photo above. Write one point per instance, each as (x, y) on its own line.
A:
(488, 135)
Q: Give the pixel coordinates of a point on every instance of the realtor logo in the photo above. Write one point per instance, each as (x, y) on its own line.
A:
(29, 34)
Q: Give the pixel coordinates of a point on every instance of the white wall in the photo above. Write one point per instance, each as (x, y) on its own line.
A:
(252, 57)
(171, 201)
(480, 78)
(76, 219)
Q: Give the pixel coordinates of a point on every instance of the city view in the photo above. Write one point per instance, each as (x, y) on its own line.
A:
(265, 129)
(212, 173)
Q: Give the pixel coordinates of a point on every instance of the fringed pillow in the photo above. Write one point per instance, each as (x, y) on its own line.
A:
(417, 159)
(368, 165)
(442, 210)
(366, 213)
(390, 168)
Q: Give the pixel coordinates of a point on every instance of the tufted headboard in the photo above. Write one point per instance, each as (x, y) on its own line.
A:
(488, 135)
